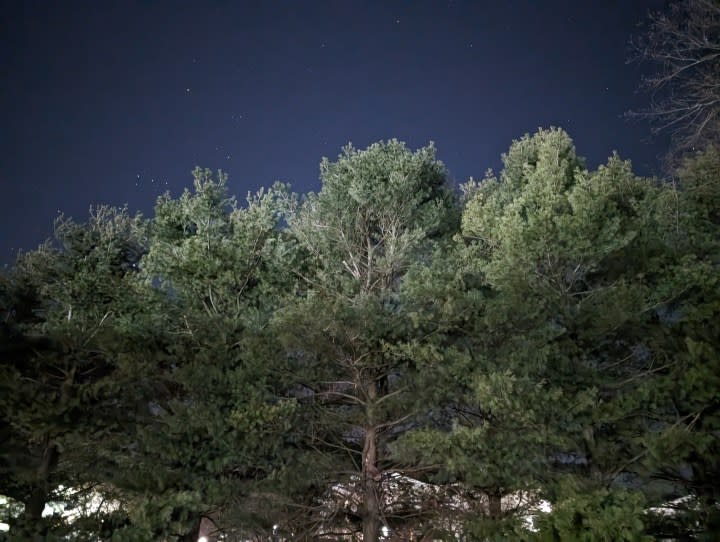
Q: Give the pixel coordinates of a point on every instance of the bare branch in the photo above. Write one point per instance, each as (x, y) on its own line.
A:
(684, 44)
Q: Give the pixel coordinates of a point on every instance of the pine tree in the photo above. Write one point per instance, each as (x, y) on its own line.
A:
(543, 326)
(62, 396)
(684, 453)
(378, 211)
(213, 423)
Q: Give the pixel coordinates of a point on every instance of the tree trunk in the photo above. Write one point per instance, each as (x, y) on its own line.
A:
(371, 475)
(35, 504)
(495, 504)
(38, 497)
(193, 534)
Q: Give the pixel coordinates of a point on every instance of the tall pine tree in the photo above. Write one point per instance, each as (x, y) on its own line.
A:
(378, 211)
(542, 327)
(63, 397)
(212, 424)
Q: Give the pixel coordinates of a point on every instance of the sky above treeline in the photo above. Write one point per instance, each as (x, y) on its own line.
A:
(115, 102)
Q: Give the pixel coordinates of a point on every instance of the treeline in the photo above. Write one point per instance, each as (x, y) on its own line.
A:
(390, 357)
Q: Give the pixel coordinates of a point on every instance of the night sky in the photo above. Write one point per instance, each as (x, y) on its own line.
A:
(116, 102)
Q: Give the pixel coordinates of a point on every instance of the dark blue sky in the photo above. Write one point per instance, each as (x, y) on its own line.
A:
(116, 101)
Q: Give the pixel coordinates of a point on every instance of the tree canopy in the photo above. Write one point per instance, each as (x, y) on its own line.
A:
(534, 356)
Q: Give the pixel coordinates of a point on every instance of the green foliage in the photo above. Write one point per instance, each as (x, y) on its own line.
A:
(541, 349)
(62, 394)
(297, 363)
(379, 211)
(213, 421)
(686, 449)
(597, 516)
(375, 210)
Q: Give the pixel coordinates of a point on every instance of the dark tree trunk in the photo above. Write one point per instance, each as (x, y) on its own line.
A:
(35, 504)
(193, 534)
(30, 524)
(495, 504)
(371, 475)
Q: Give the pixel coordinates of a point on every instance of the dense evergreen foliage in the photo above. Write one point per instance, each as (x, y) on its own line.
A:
(388, 358)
